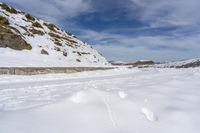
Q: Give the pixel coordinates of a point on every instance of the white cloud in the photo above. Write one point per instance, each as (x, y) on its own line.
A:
(53, 10)
(169, 12)
(133, 54)
(159, 48)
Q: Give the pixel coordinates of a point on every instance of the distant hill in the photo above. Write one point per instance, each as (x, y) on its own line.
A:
(135, 64)
(180, 64)
(147, 63)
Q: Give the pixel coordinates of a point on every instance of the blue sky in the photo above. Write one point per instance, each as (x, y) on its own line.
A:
(127, 30)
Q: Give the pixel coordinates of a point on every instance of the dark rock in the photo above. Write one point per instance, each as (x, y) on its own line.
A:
(51, 27)
(30, 17)
(57, 49)
(44, 52)
(36, 24)
(79, 54)
(64, 53)
(8, 8)
(12, 40)
(38, 32)
(78, 60)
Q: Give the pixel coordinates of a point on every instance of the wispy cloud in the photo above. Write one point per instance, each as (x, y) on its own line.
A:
(52, 10)
(158, 48)
(169, 12)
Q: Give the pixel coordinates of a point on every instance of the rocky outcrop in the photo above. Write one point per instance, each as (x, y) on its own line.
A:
(9, 38)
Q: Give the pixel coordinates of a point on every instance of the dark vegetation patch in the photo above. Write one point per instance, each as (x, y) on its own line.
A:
(36, 24)
(57, 39)
(30, 17)
(58, 43)
(8, 8)
(70, 40)
(55, 35)
(38, 32)
(51, 27)
(3, 21)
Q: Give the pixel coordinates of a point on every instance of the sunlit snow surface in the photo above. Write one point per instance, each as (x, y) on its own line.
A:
(114, 101)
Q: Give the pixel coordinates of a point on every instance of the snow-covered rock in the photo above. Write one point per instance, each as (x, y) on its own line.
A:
(41, 43)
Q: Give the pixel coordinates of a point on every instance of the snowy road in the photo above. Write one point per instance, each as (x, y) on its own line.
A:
(113, 101)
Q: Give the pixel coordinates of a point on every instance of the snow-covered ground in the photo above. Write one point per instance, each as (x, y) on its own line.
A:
(114, 101)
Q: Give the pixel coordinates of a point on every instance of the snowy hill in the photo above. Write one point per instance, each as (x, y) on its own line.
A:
(26, 41)
(180, 64)
(191, 63)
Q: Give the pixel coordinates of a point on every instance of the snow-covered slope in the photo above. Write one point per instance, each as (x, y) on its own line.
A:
(47, 44)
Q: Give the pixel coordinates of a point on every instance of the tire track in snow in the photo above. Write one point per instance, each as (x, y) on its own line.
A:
(110, 112)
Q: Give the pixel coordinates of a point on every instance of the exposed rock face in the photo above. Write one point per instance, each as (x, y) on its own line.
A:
(10, 39)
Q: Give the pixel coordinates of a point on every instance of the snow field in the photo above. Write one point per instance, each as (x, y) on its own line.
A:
(114, 101)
